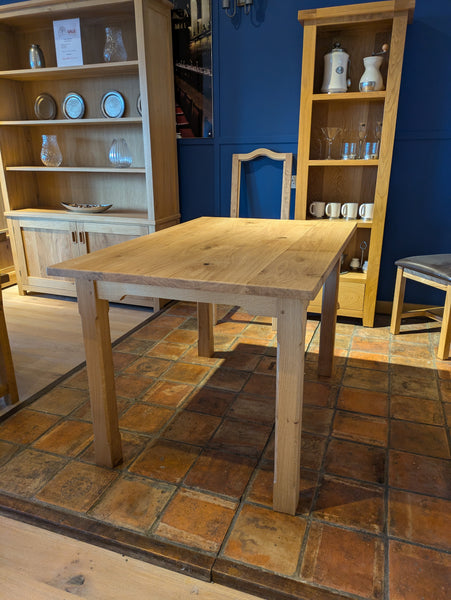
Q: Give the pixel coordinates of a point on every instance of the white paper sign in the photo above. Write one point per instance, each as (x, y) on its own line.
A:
(68, 43)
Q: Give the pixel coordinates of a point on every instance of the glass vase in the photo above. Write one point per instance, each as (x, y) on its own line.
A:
(119, 154)
(50, 152)
(114, 49)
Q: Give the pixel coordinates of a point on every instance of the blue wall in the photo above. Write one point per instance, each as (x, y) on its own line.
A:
(257, 74)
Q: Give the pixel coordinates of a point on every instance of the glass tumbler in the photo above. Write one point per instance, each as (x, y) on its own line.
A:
(50, 152)
(371, 150)
(349, 150)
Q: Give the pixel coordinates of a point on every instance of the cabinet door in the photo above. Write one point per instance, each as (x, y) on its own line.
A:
(38, 244)
(94, 236)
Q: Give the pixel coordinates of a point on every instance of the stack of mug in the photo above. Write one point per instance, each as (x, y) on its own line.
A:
(335, 210)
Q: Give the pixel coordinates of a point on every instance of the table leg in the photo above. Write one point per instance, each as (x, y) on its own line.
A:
(205, 344)
(328, 323)
(99, 363)
(8, 383)
(291, 322)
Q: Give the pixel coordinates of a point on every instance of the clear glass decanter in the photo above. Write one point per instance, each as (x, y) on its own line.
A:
(50, 152)
(114, 49)
(119, 154)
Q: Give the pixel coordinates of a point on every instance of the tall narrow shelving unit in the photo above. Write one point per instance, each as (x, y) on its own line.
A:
(144, 197)
(362, 29)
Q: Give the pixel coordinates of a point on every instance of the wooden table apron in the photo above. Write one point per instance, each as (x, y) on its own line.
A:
(269, 267)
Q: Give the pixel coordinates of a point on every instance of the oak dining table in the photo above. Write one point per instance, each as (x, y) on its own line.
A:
(269, 267)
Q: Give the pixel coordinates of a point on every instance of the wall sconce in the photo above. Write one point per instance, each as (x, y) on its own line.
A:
(246, 3)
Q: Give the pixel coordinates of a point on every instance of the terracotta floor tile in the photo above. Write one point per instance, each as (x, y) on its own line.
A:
(221, 473)
(266, 539)
(358, 461)
(250, 345)
(77, 486)
(253, 408)
(428, 573)
(445, 390)
(190, 323)
(83, 413)
(168, 350)
(312, 450)
(421, 474)
(196, 520)
(211, 401)
(319, 394)
(228, 379)
(133, 503)
(261, 489)
(368, 360)
(363, 401)
(159, 328)
(230, 327)
(28, 471)
(69, 438)
(412, 350)
(148, 367)
(255, 330)
(429, 440)
(186, 373)
(443, 369)
(366, 379)
(121, 360)
(360, 428)
(409, 384)
(165, 460)
(261, 384)
(132, 445)
(311, 370)
(348, 561)
(183, 309)
(78, 380)
(61, 400)
(420, 519)
(242, 361)
(168, 393)
(421, 410)
(182, 336)
(7, 450)
(240, 437)
(134, 346)
(365, 344)
(192, 356)
(145, 418)
(26, 426)
(316, 419)
(267, 365)
(192, 428)
(131, 386)
(350, 504)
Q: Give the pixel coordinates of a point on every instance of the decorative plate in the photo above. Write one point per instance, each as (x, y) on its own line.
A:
(86, 208)
(139, 107)
(45, 107)
(73, 106)
(112, 105)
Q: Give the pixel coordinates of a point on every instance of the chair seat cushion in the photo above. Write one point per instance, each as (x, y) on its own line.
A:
(432, 265)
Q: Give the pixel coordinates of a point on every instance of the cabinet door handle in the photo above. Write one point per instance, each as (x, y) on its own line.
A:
(82, 237)
(74, 237)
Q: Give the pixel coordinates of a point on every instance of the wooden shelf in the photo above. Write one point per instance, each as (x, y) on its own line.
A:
(80, 72)
(73, 122)
(343, 163)
(126, 171)
(349, 97)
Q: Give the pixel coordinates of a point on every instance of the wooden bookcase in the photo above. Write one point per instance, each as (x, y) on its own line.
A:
(145, 195)
(361, 29)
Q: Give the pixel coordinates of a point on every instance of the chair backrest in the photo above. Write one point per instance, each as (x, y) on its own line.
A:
(237, 159)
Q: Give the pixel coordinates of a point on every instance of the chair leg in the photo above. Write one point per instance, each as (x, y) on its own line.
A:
(398, 301)
(445, 335)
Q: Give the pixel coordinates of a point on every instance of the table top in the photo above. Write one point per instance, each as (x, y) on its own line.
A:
(262, 257)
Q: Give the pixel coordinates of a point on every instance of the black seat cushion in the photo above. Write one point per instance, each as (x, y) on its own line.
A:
(434, 265)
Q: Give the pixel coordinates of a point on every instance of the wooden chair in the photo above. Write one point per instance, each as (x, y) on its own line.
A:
(8, 384)
(433, 270)
(237, 160)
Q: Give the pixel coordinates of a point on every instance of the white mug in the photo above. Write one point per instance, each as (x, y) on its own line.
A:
(316, 209)
(354, 264)
(333, 210)
(366, 211)
(350, 210)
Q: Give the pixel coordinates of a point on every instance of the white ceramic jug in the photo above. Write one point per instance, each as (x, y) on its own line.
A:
(371, 80)
(336, 64)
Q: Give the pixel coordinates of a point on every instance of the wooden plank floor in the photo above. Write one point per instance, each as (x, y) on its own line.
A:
(46, 339)
(41, 565)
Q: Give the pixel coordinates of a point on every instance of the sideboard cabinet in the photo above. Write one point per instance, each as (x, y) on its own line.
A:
(362, 30)
(144, 196)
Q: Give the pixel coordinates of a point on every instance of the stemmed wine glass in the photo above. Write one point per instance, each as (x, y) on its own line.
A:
(378, 132)
(330, 133)
(362, 138)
